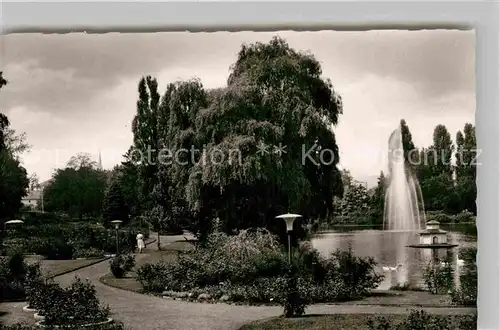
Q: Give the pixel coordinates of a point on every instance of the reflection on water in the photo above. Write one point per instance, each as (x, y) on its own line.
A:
(389, 248)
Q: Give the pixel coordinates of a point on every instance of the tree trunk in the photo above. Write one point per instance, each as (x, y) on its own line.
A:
(158, 241)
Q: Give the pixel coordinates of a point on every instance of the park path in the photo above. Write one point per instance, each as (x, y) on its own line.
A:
(144, 312)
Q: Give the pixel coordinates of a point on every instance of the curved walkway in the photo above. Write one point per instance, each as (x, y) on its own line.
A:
(144, 312)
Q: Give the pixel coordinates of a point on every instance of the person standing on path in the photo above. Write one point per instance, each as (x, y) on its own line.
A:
(140, 242)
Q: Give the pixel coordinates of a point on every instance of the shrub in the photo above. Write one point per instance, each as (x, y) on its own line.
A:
(466, 294)
(294, 302)
(438, 279)
(15, 276)
(464, 217)
(121, 264)
(251, 267)
(37, 218)
(468, 322)
(32, 281)
(53, 248)
(349, 277)
(16, 266)
(439, 216)
(154, 277)
(420, 320)
(75, 305)
(61, 241)
(88, 253)
(43, 295)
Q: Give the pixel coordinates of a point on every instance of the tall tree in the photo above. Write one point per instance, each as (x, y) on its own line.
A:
(34, 182)
(465, 188)
(466, 151)
(13, 185)
(146, 139)
(128, 176)
(13, 177)
(377, 200)
(114, 207)
(81, 160)
(78, 189)
(443, 149)
(408, 145)
(4, 121)
(179, 108)
(275, 95)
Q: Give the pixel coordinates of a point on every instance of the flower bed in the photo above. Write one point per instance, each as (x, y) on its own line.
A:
(76, 305)
(252, 268)
(71, 241)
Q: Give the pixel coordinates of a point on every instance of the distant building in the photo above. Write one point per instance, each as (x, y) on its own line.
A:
(33, 198)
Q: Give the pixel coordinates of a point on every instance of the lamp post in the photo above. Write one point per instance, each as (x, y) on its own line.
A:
(117, 224)
(41, 193)
(289, 219)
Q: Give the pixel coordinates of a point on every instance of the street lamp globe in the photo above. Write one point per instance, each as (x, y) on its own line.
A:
(12, 222)
(116, 223)
(289, 219)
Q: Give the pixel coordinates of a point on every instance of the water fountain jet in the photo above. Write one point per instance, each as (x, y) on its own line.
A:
(403, 207)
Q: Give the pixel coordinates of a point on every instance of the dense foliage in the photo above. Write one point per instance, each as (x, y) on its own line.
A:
(15, 276)
(78, 189)
(114, 207)
(13, 176)
(274, 96)
(420, 320)
(466, 294)
(448, 190)
(440, 188)
(74, 240)
(121, 264)
(75, 305)
(251, 267)
(439, 279)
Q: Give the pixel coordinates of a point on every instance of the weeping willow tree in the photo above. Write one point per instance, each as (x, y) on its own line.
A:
(275, 96)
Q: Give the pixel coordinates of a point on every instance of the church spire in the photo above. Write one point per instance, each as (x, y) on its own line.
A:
(100, 160)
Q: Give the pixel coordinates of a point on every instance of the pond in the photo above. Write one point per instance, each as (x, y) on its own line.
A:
(389, 248)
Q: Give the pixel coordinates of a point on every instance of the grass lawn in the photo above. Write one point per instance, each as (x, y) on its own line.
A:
(57, 267)
(167, 254)
(321, 322)
(316, 322)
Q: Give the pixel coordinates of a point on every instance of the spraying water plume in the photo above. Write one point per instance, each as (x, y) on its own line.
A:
(403, 207)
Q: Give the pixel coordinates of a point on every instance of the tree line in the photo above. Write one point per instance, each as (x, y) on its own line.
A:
(447, 185)
(14, 179)
(274, 96)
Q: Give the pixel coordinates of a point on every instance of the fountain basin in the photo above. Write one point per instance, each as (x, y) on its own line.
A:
(433, 246)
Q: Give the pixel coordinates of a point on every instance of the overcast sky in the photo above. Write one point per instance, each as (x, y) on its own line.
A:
(77, 93)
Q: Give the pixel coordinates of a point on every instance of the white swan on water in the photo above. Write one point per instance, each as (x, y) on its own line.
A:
(392, 269)
(460, 262)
